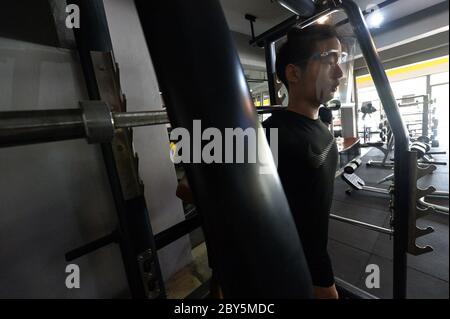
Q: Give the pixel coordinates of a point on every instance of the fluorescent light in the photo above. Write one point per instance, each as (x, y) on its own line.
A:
(375, 19)
(303, 8)
(323, 19)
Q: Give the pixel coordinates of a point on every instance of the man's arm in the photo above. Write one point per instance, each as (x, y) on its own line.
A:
(325, 293)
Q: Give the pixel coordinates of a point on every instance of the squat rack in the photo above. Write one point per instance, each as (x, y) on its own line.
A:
(232, 226)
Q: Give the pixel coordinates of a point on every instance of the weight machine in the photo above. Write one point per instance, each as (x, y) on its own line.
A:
(104, 120)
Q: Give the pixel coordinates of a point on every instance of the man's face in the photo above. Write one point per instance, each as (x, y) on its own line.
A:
(320, 79)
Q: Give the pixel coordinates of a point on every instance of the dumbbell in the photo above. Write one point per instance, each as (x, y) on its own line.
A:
(420, 148)
(424, 145)
(352, 166)
(424, 139)
(383, 126)
(383, 134)
(334, 105)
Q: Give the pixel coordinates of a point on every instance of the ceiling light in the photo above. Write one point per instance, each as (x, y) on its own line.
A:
(303, 8)
(323, 19)
(375, 19)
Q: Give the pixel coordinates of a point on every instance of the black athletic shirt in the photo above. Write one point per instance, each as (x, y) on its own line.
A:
(307, 161)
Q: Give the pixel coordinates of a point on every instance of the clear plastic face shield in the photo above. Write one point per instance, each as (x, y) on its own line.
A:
(346, 85)
(335, 76)
(329, 74)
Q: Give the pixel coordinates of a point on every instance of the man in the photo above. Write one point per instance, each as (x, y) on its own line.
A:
(308, 65)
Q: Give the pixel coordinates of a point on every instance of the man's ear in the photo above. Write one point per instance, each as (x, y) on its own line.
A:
(292, 73)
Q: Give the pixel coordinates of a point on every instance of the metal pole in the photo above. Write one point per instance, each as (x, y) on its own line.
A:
(426, 114)
(269, 50)
(248, 225)
(133, 119)
(41, 126)
(437, 208)
(403, 176)
(171, 234)
(37, 126)
(277, 32)
(362, 224)
(376, 190)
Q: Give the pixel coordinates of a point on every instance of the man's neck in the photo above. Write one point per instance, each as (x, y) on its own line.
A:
(304, 108)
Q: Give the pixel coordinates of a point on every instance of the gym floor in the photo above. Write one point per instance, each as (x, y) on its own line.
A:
(352, 248)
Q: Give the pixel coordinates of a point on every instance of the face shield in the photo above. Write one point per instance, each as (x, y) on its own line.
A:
(335, 75)
(346, 85)
(329, 73)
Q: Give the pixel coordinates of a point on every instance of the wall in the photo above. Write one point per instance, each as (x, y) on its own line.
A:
(54, 197)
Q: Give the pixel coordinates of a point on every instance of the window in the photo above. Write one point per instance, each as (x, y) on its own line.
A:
(440, 78)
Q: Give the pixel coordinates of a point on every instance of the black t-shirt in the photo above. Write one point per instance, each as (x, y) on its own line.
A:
(307, 161)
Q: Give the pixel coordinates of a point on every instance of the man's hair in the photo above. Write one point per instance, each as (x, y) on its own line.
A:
(300, 46)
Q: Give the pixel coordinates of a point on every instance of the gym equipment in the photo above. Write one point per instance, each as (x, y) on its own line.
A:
(417, 112)
(357, 183)
(93, 121)
(326, 113)
(249, 217)
(389, 137)
(352, 166)
(361, 224)
(419, 120)
(422, 149)
(135, 234)
(367, 108)
(185, 103)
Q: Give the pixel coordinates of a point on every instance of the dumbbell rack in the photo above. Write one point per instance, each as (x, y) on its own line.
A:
(421, 210)
(416, 115)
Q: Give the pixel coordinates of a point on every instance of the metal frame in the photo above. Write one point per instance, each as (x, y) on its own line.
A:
(93, 121)
(405, 185)
(185, 103)
(136, 239)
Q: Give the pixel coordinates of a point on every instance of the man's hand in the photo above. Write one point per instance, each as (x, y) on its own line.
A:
(184, 191)
(325, 292)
